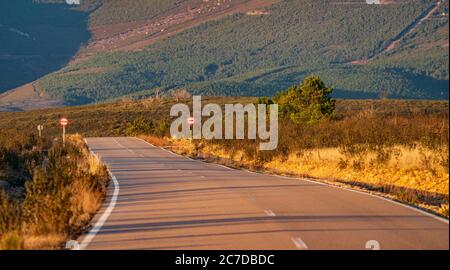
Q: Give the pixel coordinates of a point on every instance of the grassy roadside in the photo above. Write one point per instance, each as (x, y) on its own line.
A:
(59, 193)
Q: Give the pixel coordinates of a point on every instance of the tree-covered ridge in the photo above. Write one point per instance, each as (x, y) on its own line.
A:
(259, 55)
(425, 50)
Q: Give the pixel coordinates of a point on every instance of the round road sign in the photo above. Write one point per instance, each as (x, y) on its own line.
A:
(63, 122)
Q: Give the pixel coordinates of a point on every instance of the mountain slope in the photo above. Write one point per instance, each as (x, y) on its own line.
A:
(36, 40)
(251, 48)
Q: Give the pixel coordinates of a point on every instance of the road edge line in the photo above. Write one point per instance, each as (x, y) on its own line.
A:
(112, 203)
(299, 243)
(385, 199)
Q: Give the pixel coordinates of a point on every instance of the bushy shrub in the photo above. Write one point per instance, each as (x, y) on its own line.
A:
(139, 126)
(10, 214)
(65, 188)
(308, 102)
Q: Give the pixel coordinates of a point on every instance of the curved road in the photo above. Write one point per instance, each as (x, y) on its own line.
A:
(159, 200)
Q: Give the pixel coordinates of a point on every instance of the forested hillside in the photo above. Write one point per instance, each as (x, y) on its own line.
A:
(259, 55)
(397, 49)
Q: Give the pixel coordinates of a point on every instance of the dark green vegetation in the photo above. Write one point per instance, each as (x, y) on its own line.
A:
(48, 192)
(260, 55)
(425, 51)
(308, 102)
(37, 39)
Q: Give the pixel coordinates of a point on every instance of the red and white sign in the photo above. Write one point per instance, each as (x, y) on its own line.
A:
(63, 122)
(191, 120)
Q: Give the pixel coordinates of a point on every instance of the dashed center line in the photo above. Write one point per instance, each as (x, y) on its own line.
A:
(129, 150)
(270, 213)
(299, 243)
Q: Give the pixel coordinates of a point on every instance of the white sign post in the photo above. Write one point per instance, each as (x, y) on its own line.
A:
(191, 121)
(64, 122)
(40, 128)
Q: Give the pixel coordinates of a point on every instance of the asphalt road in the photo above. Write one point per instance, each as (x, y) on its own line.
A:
(159, 200)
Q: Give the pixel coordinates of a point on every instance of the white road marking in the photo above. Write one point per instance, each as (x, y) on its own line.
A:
(129, 150)
(145, 142)
(270, 213)
(299, 243)
(169, 151)
(379, 197)
(99, 224)
(284, 177)
(115, 140)
(223, 166)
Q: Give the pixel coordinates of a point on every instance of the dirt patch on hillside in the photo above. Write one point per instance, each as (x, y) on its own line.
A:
(95, 70)
(135, 36)
(27, 97)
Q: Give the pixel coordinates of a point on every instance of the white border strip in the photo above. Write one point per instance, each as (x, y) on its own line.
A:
(385, 199)
(99, 224)
(326, 184)
(299, 243)
(270, 213)
(170, 152)
(369, 194)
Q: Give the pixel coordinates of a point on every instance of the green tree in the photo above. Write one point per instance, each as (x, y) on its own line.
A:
(162, 129)
(308, 102)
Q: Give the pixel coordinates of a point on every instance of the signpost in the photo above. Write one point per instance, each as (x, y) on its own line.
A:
(191, 120)
(40, 128)
(64, 122)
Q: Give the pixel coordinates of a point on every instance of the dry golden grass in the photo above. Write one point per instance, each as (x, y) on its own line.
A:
(44, 242)
(11, 241)
(50, 215)
(84, 201)
(94, 165)
(406, 169)
(156, 141)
